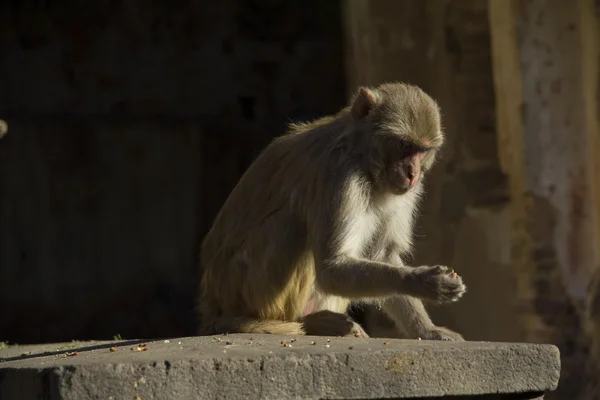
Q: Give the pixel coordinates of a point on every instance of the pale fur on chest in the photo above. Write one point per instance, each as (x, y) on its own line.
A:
(380, 229)
(385, 225)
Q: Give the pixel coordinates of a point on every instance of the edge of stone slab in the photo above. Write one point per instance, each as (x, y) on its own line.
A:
(272, 366)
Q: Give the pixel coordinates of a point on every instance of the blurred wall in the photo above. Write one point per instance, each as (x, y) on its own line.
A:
(129, 123)
(546, 55)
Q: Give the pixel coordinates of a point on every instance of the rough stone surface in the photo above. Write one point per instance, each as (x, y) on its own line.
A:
(260, 366)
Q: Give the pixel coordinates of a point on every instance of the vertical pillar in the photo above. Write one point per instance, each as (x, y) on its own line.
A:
(545, 60)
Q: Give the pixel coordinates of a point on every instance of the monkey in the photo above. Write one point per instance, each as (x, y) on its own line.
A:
(322, 218)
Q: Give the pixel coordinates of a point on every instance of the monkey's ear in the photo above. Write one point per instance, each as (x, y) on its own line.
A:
(363, 103)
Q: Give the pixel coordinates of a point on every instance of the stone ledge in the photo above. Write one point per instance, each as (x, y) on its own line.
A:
(259, 366)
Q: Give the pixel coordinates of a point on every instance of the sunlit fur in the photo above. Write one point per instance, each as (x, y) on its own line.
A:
(308, 227)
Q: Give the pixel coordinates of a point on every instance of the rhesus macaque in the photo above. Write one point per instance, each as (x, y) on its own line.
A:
(322, 218)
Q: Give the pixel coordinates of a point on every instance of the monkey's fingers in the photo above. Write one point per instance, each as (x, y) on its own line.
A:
(451, 290)
(452, 273)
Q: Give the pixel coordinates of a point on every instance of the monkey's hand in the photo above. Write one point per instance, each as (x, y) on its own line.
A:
(441, 333)
(328, 323)
(437, 283)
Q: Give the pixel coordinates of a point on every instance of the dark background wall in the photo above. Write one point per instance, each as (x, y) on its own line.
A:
(129, 123)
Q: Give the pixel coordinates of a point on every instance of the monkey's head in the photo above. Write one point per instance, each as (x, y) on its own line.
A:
(401, 126)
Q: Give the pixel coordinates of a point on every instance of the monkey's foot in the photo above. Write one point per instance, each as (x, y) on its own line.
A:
(328, 323)
(438, 283)
(358, 331)
(441, 333)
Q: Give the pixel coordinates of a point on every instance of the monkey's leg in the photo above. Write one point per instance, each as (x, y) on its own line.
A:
(329, 323)
(410, 315)
(222, 325)
(379, 325)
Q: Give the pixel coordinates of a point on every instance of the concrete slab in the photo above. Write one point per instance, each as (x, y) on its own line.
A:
(261, 366)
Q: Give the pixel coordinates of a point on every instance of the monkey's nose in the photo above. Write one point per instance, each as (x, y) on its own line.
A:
(411, 176)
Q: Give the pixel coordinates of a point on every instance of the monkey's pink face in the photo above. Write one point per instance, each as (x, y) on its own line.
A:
(403, 175)
(403, 165)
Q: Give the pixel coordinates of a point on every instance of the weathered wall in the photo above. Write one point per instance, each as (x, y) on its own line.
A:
(129, 124)
(546, 71)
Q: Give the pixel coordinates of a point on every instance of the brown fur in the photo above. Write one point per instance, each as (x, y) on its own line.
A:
(322, 217)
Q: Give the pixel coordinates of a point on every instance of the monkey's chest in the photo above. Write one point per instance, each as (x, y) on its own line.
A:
(393, 231)
(375, 236)
(390, 238)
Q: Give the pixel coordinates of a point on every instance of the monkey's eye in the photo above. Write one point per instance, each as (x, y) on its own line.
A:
(393, 142)
(400, 147)
(406, 147)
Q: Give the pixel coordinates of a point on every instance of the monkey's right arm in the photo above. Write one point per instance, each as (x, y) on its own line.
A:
(339, 232)
(354, 278)
(339, 272)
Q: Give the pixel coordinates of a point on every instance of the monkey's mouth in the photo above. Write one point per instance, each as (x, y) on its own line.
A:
(399, 190)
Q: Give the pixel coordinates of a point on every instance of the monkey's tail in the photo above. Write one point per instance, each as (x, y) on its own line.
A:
(250, 325)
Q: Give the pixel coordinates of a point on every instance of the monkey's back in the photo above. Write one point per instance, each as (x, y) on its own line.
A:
(257, 256)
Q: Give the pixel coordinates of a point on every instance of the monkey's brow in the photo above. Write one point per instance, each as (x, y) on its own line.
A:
(410, 143)
(417, 145)
(422, 148)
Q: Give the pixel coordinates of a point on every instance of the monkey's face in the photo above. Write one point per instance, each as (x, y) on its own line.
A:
(403, 164)
(400, 124)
